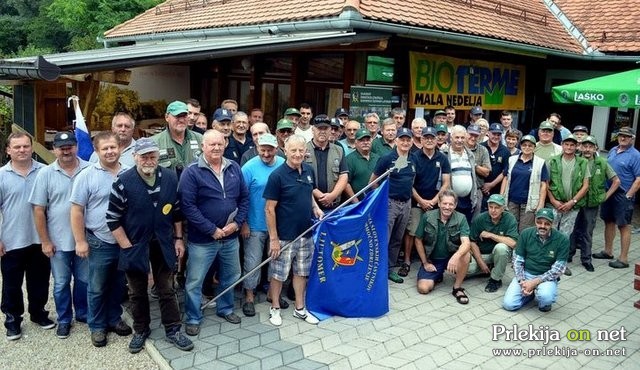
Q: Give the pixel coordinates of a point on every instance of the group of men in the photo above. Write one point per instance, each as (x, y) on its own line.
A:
(180, 200)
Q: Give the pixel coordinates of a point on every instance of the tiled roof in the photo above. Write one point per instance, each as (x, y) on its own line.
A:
(528, 22)
(609, 26)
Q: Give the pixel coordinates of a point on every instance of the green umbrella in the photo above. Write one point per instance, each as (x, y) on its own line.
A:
(616, 90)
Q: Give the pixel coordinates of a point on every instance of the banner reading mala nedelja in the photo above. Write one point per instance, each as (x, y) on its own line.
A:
(438, 81)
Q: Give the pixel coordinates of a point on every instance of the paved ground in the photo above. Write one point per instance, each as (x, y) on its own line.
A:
(436, 332)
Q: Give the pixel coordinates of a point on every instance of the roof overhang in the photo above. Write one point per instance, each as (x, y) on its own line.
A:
(172, 51)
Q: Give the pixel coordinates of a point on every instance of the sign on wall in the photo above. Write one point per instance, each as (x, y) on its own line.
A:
(438, 81)
(365, 99)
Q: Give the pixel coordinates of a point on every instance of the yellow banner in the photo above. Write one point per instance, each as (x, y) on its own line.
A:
(438, 81)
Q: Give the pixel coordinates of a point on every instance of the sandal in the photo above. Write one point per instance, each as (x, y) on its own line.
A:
(404, 269)
(461, 298)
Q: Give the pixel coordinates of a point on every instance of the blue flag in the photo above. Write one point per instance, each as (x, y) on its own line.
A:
(85, 147)
(349, 271)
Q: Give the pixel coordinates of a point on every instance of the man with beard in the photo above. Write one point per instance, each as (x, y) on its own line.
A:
(540, 259)
(361, 164)
(123, 126)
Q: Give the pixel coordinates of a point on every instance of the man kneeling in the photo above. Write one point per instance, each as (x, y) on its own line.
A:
(442, 242)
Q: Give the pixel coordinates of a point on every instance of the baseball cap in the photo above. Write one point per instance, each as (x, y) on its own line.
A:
(284, 124)
(292, 112)
(404, 132)
(626, 131)
(429, 131)
(476, 110)
(64, 138)
(176, 108)
(590, 139)
(581, 128)
(321, 120)
(528, 138)
(440, 113)
(145, 145)
(473, 130)
(341, 112)
(268, 139)
(546, 125)
(495, 128)
(497, 199)
(545, 213)
(570, 137)
(363, 132)
(222, 115)
(336, 122)
(441, 127)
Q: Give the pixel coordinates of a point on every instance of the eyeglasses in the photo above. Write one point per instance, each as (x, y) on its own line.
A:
(352, 129)
(286, 131)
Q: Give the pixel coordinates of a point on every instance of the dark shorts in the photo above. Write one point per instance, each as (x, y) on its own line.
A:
(617, 209)
(441, 267)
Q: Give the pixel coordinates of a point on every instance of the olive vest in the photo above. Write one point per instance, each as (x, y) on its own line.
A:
(555, 179)
(596, 193)
(333, 164)
(431, 231)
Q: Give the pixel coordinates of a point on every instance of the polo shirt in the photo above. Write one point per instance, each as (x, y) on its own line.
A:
(520, 180)
(429, 173)
(256, 173)
(18, 228)
(253, 152)
(236, 149)
(91, 190)
(539, 256)
(126, 155)
(380, 147)
(346, 148)
(360, 169)
(52, 190)
(546, 151)
(626, 165)
(499, 162)
(461, 177)
(400, 182)
(506, 226)
(292, 190)
(322, 156)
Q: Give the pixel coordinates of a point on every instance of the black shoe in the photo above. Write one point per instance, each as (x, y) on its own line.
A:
(283, 304)
(617, 264)
(63, 330)
(137, 342)
(493, 286)
(232, 318)
(602, 256)
(546, 308)
(45, 323)
(567, 271)
(121, 328)
(99, 338)
(180, 341)
(13, 331)
(248, 309)
(588, 266)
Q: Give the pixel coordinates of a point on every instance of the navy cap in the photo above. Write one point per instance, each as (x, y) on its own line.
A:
(222, 115)
(581, 128)
(495, 128)
(404, 132)
(429, 131)
(145, 145)
(476, 110)
(474, 130)
(341, 112)
(321, 120)
(64, 138)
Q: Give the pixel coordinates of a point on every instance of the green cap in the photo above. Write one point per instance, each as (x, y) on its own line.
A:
(268, 139)
(441, 128)
(545, 213)
(528, 138)
(176, 108)
(283, 124)
(546, 125)
(292, 112)
(590, 139)
(570, 137)
(363, 132)
(497, 199)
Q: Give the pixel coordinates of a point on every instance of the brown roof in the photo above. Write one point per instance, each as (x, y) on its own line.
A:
(609, 26)
(529, 22)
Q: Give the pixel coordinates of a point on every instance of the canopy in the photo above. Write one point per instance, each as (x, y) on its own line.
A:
(617, 90)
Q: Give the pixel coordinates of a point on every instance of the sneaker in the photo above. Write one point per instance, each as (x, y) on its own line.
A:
(274, 316)
(137, 342)
(305, 315)
(393, 276)
(121, 328)
(588, 266)
(180, 341)
(13, 331)
(63, 330)
(45, 323)
(493, 286)
(192, 329)
(99, 338)
(546, 308)
(567, 271)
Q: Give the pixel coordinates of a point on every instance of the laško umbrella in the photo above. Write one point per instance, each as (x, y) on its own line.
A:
(620, 90)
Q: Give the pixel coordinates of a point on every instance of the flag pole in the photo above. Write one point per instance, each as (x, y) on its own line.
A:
(399, 164)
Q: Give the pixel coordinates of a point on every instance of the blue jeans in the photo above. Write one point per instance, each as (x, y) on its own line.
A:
(254, 246)
(106, 285)
(200, 258)
(64, 266)
(546, 294)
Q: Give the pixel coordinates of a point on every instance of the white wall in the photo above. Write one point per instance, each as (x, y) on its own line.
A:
(168, 82)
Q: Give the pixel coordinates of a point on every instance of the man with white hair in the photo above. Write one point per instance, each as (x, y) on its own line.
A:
(123, 125)
(463, 174)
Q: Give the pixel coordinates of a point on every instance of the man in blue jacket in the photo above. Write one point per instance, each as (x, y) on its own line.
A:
(215, 202)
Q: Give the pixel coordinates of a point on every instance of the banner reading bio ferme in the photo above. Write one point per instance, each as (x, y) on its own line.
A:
(438, 81)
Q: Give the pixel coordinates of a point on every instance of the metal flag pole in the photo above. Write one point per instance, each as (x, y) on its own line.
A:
(399, 164)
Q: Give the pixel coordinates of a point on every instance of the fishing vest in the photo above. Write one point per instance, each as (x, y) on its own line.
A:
(597, 193)
(431, 231)
(555, 179)
(333, 165)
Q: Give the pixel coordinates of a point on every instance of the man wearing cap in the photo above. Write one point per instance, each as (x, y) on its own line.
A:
(499, 158)
(601, 173)
(328, 164)
(494, 234)
(349, 142)
(617, 210)
(221, 121)
(398, 115)
(417, 125)
(439, 117)
(342, 115)
(145, 219)
(239, 141)
(254, 231)
(546, 148)
(336, 131)
(433, 176)
(475, 114)
(442, 137)
(384, 144)
(559, 132)
(482, 165)
(400, 190)
(463, 174)
(303, 127)
(284, 129)
(580, 132)
(539, 261)
(293, 115)
(123, 125)
(450, 110)
(20, 247)
(178, 146)
(215, 202)
(93, 239)
(51, 211)
(360, 164)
